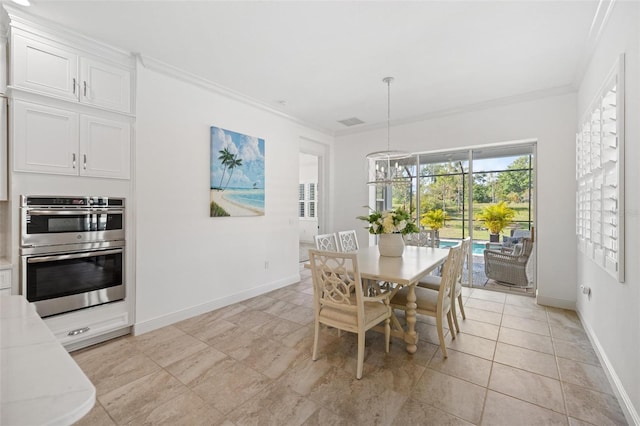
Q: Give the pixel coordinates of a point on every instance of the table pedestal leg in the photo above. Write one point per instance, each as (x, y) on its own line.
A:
(410, 336)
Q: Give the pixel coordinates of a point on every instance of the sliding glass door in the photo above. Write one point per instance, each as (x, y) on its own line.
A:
(459, 193)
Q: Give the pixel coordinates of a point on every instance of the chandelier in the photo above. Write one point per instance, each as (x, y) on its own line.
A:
(388, 172)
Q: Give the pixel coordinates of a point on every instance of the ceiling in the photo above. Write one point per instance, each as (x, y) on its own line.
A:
(324, 61)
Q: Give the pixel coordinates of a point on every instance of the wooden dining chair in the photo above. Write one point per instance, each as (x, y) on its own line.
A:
(424, 238)
(435, 303)
(339, 300)
(348, 240)
(433, 282)
(327, 242)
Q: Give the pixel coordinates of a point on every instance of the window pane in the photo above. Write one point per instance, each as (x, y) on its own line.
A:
(312, 209)
(312, 191)
(301, 192)
(301, 209)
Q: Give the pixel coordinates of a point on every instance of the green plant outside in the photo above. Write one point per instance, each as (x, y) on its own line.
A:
(496, 217)
(443, 187)
(434, 219)
(455, 222)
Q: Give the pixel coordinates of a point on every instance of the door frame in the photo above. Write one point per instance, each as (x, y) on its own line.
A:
(321, 151)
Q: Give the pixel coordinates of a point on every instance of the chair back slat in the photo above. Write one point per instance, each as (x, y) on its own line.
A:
(336, 279)
(424, 238)
(450, 273)
(326, 242)
(348, 240)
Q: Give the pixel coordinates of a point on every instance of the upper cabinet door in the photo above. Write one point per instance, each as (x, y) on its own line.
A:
(105, 147)
(45, 139)
(3, 150)
(105, 86)
(44, 68)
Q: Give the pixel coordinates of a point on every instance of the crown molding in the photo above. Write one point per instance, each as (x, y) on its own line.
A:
(599, 22)
(493, 103)
(39, 27)
(188, 77)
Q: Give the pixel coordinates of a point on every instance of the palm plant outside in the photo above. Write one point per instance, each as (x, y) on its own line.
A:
(434, 219)
(496, 217)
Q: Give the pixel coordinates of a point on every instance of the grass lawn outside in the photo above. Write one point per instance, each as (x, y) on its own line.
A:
(453, 226)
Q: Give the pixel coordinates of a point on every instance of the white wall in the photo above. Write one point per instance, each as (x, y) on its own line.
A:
(612, 314)
(188, 262)
(550, 121)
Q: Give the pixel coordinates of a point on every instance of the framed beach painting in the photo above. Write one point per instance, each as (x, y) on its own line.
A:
(236, 175)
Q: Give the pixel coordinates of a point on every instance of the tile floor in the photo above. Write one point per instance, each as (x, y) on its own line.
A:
(514, 363)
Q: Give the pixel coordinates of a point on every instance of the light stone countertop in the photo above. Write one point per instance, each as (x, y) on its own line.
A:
(41, 384)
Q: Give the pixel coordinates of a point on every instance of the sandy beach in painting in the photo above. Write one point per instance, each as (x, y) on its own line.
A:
(231, 207)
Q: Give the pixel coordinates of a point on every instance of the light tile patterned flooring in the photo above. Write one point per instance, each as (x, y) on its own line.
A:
(514, 363)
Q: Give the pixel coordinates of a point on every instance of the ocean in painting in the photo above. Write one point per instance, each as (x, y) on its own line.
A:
(252, 198)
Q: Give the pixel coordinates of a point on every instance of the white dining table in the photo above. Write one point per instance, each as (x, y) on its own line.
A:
(415, 263)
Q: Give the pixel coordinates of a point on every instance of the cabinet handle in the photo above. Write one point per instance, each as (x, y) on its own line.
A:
(78, 331)
(73, 158)
(84, 161)
(85, 88)
(74, 85)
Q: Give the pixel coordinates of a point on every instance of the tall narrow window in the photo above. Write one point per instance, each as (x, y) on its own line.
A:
(311, 211)
(301, 200)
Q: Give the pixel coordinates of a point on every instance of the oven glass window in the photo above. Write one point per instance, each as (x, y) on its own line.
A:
(67, 275)
(41, 224)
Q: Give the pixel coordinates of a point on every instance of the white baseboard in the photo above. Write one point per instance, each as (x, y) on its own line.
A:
(172, 318)
(630, 412)
(556, 303)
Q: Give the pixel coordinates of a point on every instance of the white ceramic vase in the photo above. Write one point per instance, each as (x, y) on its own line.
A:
(391, 245)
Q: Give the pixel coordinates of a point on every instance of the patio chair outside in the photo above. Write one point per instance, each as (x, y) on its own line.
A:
(509, 268)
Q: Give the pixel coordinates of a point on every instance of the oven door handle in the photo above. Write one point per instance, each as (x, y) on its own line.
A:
(109, 211)
(58, 212)
(73, 212)
(41, 259)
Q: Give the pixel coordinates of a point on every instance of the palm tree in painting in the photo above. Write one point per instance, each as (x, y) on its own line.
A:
(231, 165)
(225, 157)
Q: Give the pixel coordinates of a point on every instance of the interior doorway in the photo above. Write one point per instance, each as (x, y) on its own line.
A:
(308, 203)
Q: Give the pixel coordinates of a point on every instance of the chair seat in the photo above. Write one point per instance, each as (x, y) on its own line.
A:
(426, 299)
(433, 282)
(373, 311)
(430, 281)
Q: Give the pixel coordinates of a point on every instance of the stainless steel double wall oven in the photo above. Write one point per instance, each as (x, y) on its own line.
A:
(72, 252)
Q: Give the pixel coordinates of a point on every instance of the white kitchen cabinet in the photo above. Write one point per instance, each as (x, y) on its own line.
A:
(43, 68)
(57, 141)
(5, 281)
(48, 68)
(3, 64)
(105, 85)
(81, 328)
(105, 147)
(3, 150)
